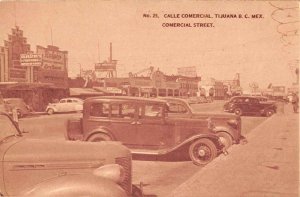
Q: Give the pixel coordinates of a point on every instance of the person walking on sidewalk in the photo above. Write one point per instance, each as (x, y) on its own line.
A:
(295, 102)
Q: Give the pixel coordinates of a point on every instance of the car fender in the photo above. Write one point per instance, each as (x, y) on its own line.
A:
(228, 130)
(100, 129)
(210, 136)
(75, 185)
(51, 107)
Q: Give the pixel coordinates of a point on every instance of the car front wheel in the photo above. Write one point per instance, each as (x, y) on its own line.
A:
(238, 111)
(99, 137)
(202, 151)
(269, 113)
(50, 111)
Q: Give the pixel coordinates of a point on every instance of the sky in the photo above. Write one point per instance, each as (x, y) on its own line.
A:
(253, 47)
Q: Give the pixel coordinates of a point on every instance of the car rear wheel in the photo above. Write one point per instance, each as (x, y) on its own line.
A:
(269, 113)
(202, 151)
(238, 111)
(226, 139)
(99, 137)
(50, 111)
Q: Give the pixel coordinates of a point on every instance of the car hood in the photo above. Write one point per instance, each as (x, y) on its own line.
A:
(42, 150)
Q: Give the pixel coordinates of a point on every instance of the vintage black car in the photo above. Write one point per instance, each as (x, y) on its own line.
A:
(146, 127)
(242, 105)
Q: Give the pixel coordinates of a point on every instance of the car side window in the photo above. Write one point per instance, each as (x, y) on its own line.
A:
(254, 101)
(125, 111)
(99, 110)
(151, 111)
(69, 101)
(62, 101)
(176, 108)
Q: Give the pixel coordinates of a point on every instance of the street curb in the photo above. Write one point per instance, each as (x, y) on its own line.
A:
(251, 134)
(221, 158)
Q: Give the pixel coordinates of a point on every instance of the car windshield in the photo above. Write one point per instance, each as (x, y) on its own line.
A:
(7, 127)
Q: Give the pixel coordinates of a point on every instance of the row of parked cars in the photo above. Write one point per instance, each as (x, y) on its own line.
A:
(95, 158)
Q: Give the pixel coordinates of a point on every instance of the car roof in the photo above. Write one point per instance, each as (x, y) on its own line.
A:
(6, 99)
(173, 99)
(123, 98)
(72, 98)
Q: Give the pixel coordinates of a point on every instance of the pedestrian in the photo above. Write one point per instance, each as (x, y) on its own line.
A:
(295, 102)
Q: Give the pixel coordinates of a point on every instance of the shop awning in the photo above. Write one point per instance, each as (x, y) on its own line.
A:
(84, 91)
(108, 90)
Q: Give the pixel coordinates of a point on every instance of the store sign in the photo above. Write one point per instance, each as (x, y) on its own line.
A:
(17, 73)
(114, 90)
(52, 66)
(105, 66)
(31, 60)
(52, 59)
(187, 71)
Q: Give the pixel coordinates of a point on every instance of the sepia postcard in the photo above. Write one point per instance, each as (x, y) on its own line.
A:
(149, 98)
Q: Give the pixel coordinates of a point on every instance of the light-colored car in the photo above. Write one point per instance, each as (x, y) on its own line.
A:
(45, 167)
(65, 105)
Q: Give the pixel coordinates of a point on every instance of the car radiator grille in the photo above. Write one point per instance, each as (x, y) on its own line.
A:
(125, 162)
(239, 126)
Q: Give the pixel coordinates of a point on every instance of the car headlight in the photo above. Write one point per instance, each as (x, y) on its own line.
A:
(210, 124)
(234, 123)
(113, 172)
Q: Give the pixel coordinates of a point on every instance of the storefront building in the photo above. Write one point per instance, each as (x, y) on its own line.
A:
(39, 83)
(3, 64)
(53, 68)
(157, 84)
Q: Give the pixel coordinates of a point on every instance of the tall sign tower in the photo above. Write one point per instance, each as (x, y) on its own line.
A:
(106, 69)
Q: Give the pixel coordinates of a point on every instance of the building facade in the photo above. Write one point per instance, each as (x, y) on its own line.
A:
(37, 84)
(54, 66)
(3, 64)
(156, 84)
(16, 45)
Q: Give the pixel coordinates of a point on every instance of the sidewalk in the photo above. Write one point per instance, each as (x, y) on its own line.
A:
(268, 166)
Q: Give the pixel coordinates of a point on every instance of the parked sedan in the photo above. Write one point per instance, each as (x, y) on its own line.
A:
(19, 105)
(65, 105)
(226, 126)
(241, 105)
(145, 127)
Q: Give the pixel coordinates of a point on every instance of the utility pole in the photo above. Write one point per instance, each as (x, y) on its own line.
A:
(297, 73)
(80, 70)
(51, 36)
(98, 52)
